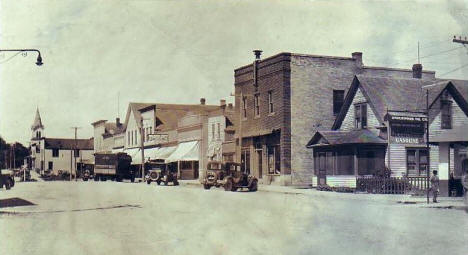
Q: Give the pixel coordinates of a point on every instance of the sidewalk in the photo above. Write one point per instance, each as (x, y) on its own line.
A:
(404, 199)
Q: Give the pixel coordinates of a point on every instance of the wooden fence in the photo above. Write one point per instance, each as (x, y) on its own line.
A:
(391, 185)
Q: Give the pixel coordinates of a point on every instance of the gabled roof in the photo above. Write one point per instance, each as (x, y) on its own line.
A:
(384, 94)
(69, 144)
(344, 137)
(457, 88)
(37, 121)
(111, 128)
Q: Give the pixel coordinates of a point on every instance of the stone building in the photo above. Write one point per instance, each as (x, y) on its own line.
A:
(283, 99)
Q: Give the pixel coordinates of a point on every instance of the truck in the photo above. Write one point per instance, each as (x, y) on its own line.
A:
(113, 166)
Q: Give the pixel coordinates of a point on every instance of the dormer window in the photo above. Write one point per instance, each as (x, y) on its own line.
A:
(360, 116)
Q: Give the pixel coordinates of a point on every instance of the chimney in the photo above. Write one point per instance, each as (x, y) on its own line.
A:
(117, 122)
(202, 101)
(257, 53)
(357, 56)
(417, 71)
(222, 103)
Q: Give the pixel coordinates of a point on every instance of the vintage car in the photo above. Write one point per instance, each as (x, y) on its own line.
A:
(230, 176)
(160, 173)
(7, 179)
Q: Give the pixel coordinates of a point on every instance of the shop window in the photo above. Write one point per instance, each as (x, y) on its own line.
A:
(274, 159)
(338, 100)
(55, 153)
(256, 106)
(360, 115)
(245, 161)
(345, 162)
(270, 102)
(417, 162)
(446, 114)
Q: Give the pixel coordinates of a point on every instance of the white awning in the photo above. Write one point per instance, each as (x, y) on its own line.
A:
(117, 150)
(187, 151)
(164, 152)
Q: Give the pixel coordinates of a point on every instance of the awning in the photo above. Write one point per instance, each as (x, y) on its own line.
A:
(117, 150)
(186, 151)
(165, 152)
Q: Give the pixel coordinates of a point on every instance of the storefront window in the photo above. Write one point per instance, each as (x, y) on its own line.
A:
(417, 162)
(274, 159)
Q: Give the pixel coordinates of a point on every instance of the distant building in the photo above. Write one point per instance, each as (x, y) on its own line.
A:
(283, 99)
(57, 154)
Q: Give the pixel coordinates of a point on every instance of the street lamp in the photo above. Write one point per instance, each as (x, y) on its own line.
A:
(39, 58)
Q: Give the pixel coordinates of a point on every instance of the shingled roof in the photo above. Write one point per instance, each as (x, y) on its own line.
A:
(69, 144)
(345, 137)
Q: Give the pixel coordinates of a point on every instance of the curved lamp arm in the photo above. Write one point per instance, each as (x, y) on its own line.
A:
(39, 58)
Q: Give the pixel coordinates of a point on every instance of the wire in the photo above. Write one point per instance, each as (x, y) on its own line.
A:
(8, 59)
(430, 55)
(456, 69)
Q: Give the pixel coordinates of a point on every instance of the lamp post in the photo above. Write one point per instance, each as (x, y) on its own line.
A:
(39, 58)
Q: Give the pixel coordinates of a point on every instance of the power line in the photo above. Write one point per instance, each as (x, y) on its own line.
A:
(456, 69)
(430, 55)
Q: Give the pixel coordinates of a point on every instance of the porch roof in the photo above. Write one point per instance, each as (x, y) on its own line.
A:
(362, 136)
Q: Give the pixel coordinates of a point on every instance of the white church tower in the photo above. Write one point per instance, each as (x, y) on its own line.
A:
(37, 127)
(37, 145)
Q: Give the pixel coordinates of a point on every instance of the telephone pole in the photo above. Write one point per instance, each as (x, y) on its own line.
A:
(460, 40)
(73, 153)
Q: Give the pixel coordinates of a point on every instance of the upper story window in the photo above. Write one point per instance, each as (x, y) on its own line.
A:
(244, 107)
(338, 100)
(128, 137)
(212, 130)
(55, 153)
(270, 102)
(446, 113)
(360, 116)
(219, 130)
(256, 105)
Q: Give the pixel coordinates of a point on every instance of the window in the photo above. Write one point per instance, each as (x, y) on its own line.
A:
(274, 162)
(131, 135)
(446, 114)
(270, 102)
(212, 131)
(55, 153)
(338, 99)
(219, 130)
(244, 106)
(360, 115)
(51, 165)
(245, 160)
(38, 149)
(417, 162)
(77, 153)
(256, 106)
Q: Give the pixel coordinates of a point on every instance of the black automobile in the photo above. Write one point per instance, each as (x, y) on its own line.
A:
(6, 179)
(161, 173)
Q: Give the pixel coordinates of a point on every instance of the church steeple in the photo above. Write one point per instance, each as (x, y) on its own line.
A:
(37, 124)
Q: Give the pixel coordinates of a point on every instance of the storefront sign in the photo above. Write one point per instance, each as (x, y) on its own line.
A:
(408, 118)
(413, 140)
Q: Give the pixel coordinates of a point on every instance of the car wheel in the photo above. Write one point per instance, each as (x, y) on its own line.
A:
(228, 185)
(96, 178)
(176, 183)
(85, 179)
(8, 184)
(205, 186)
(148, 181)
(253, 186)
(158, 182)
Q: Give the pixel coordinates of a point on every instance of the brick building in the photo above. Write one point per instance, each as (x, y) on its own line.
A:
(283, 99)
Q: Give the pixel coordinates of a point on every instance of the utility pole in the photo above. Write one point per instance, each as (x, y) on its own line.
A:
(73, 153)
(142, 140)
(460, 40)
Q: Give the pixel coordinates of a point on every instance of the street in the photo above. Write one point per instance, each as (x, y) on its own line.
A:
(136, 218)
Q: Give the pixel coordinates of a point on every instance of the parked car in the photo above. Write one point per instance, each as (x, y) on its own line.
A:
(160, 173)
(230, 175)
(7, 179)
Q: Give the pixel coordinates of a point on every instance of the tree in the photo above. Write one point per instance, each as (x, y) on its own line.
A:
(6, 154)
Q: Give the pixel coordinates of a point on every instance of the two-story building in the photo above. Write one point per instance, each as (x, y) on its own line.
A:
(283, 99)
(382, 125)
(58, 154)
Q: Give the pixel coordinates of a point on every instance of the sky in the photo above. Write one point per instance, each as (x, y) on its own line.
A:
(100, 55)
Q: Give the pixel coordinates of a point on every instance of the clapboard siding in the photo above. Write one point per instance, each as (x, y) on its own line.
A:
(434, 160)
(348, 122)
(459, 119)
(348, 181)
